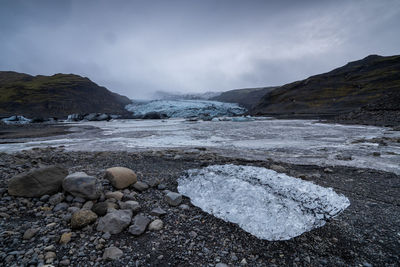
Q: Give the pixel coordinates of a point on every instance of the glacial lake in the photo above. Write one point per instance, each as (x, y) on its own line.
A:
(292, 141)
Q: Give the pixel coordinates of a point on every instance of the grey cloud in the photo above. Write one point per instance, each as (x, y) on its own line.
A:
(138, 47)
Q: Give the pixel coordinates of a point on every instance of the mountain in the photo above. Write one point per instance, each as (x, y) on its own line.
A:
(372, 83)
(55, 96)
(245, 97)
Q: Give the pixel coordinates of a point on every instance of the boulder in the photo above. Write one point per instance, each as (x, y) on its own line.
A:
(115, 222)
(82, 218)
(173, 199)
(112, 253)
(120, 177)
(79, 184)
(37, 182)
(139, 224)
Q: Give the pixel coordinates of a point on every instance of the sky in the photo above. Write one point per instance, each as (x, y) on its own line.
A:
(136, 48)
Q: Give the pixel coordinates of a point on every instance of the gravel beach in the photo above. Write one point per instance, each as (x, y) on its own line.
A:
(365, 234)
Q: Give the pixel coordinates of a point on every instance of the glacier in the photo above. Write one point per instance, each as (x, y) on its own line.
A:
(186, 108)
(267, 204)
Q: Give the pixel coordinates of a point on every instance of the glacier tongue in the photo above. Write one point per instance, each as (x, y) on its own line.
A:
(267, 204)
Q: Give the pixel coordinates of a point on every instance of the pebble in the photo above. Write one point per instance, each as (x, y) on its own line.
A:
(65, 238)
(173, 199)
(158, 212)
(156, 225)
(141, 186)
(139, 224)
(112, 253)
(115, 195)
(31, 232)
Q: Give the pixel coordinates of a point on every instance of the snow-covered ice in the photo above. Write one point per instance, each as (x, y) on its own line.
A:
(186, 108)
(267, 204)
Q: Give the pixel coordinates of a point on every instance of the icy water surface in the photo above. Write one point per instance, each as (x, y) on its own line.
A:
(267, 204)
(293, 141)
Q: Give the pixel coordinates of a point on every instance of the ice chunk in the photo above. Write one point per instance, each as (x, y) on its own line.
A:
(265, 203)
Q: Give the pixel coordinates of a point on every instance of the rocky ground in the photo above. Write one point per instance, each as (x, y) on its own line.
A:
(42, 230)
(32, 130)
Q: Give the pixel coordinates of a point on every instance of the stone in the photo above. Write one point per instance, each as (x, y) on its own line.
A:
(158, 212)
(31, 232)
(221, 265)
(88, 205)
(37, 182)
(50, 248)
(65, 238)
(61, 206)
(102, 208)
(277, 168)
(120, 177)
(115, 222)
(156, 225)
(161, 187)
(50, 255)
(56, 199)
(173, 199)
(79, 184)
(65, 262)
(82, 218)
(139, 224)
(112, 253)
(141, 186)
(130, 205)
(115, 195)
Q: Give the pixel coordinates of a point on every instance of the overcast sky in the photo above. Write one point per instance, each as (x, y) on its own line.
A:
(138, 47)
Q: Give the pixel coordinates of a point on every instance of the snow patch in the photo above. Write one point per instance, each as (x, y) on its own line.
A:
(267, 204)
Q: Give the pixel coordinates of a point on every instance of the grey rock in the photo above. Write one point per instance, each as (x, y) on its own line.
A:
(221, 265)
(158, 212)
(112, 253)
(173, 199)
(161, 187)
(139, 224)
(130, 205)
(38, 182)
(82, 185)
(115, 222)
(44, 198)
(88, 205)
(156, 225)
(116, 195)
(61, 206)
(141, 186)
(31, 232)
(56, 199)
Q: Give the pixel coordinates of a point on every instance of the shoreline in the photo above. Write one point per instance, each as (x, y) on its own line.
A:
(365, 233)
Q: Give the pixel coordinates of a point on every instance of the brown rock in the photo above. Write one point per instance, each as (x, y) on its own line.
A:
(37, 182)
(120, 177)
(65, 238)
(81, 218)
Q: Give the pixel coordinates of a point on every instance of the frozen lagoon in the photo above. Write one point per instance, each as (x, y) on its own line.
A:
(292, 141)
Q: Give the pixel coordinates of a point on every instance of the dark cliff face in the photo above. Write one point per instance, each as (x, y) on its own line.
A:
(358, 84)
(246, 97)
(55, 96)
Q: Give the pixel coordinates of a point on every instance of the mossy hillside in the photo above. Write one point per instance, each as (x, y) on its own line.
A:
(57, 95)
(344, 89)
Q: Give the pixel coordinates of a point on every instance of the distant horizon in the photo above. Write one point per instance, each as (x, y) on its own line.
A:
(135, 48)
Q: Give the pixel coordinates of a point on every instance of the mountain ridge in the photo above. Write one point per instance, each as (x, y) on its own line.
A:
(57, 95)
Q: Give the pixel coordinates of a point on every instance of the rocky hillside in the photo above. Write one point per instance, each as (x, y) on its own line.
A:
(55, 96)
(247, 98)
(357, 86)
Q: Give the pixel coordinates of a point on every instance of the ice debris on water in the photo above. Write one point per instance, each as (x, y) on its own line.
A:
(267, 204)
(16, 120)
